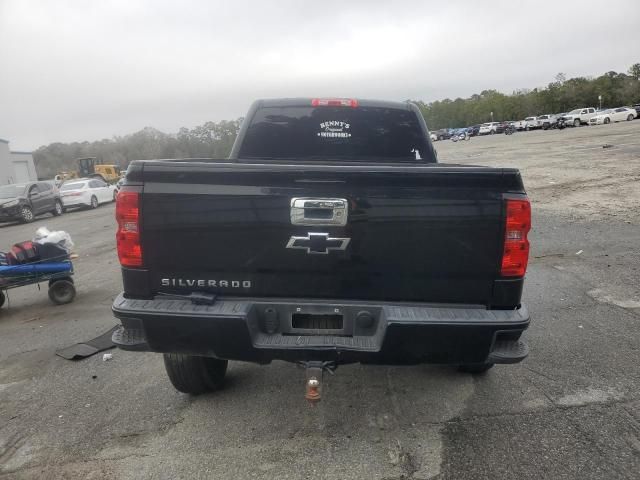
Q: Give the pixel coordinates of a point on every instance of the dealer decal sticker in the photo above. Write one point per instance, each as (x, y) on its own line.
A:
(334, 129)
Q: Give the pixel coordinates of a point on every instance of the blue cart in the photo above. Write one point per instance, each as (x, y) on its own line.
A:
(58, 272)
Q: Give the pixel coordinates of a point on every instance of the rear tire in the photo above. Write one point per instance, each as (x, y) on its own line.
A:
(3, 298)
(476, 368)
(94, 202)
(62, 292)
(194, 375)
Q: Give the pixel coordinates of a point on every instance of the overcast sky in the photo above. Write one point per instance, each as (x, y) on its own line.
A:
(87, 70)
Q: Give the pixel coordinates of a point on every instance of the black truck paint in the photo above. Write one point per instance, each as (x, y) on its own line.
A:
(410, 274)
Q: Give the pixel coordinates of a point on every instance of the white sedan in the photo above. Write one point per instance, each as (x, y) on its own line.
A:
(614, 115)
(89, 192)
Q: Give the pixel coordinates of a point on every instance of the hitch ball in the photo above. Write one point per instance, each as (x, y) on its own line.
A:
(313, 390)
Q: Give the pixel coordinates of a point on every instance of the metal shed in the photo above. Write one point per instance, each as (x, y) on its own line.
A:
(15, 167)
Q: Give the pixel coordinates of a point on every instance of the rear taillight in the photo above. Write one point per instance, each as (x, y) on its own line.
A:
(516, 245)
(128, 234)
(334, 102)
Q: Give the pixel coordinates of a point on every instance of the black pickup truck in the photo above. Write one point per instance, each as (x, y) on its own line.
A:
(330, 235)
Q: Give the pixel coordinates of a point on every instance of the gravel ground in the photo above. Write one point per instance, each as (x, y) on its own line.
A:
(570, 411)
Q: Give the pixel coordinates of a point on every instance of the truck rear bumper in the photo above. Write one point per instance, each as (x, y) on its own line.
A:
(262, 330)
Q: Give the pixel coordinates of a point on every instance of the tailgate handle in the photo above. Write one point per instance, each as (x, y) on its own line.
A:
(319, 211)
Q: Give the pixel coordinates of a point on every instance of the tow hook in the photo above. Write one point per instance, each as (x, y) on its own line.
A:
(314, 371)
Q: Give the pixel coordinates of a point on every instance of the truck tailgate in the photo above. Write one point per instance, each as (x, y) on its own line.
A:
(430, 233)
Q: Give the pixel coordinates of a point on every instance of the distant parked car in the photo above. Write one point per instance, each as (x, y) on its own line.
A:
(531, 123)
(547, 121)
(432, 136)
(488, 128)
(636, 106)
(502, 126)
(509, 128)
(473, 130)
(613, 115)
(580, 116)
(120, 182)
(460, 134)
(520, 125)
(443, 134)
(25, 201)
(89, 192)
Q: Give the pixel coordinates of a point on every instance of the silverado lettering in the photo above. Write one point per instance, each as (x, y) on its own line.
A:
(360, 247)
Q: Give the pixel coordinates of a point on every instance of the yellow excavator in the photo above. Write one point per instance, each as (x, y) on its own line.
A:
(90, 167)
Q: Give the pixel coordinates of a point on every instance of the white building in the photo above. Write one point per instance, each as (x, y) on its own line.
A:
(15, 167)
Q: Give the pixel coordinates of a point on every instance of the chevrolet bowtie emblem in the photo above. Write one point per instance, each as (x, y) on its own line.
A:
(318, 243)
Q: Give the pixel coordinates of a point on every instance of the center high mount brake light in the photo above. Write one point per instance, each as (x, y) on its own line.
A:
(334, 102)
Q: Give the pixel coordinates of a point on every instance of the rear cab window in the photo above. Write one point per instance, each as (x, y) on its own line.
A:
(362, 133)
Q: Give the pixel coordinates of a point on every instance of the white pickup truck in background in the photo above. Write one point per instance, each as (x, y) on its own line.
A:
(579, 116)
(531, 123)
(547, 121)
(520, 125)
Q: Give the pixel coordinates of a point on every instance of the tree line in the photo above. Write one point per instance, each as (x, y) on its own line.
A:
(561, 95)
(214, 139)
(211, 140)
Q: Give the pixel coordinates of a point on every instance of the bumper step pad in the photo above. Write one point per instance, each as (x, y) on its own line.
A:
(508, 351)
(130, 339)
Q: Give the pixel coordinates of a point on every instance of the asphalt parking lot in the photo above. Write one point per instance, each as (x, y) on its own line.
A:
(570, 411)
